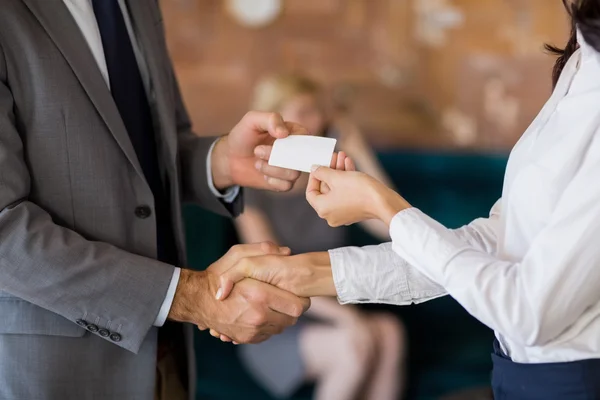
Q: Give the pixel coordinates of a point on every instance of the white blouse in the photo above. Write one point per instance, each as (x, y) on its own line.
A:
(531, 271)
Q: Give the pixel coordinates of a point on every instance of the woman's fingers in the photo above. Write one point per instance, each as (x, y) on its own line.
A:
(230, 278)
(324, 174)
(313, 189)
(333, 160)
(271, 269)
(259, 268)
(341, 159)
(324, 188)
(223, 338)
(319, 183)
(338, 160)
(235, 263)
(239, 251)
(349, 164)
(341, 162)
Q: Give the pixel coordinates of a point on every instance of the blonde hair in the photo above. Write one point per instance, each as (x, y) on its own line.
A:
(272, 92)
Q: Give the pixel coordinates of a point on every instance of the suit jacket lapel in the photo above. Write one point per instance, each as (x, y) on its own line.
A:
(56, 19)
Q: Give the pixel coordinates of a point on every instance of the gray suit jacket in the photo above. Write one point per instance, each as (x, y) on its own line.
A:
(72, 250)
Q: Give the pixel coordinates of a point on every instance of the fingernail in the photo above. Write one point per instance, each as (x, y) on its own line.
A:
(314, 168)
(259, 152)
(219, 294)
(258, 165)
(236, 343)
(282, 131)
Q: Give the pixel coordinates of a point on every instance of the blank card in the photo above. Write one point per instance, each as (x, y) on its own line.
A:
(300, 152)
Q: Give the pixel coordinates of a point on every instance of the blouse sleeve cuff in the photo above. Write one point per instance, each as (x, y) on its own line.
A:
(339, 275)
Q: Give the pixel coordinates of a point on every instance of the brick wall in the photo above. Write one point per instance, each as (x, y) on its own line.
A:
(424, 73)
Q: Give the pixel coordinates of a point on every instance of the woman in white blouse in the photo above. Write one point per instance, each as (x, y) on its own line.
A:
(531, 271)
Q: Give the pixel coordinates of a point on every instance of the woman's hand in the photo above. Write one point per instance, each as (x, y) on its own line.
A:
(305, 275)
(347, 197)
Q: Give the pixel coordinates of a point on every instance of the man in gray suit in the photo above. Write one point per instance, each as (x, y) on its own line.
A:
(96, 156)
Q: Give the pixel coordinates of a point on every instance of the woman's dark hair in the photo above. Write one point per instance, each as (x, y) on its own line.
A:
(585, 15)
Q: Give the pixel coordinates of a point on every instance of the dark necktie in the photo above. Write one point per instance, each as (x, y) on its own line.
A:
(129, 94)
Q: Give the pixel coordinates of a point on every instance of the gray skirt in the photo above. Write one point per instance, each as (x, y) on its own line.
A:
(277, 364)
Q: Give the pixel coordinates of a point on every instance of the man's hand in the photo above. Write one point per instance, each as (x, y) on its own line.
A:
(254, 310)
(305, 275)
(241, 158)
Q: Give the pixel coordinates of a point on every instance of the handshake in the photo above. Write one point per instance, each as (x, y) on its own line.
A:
(253, 292)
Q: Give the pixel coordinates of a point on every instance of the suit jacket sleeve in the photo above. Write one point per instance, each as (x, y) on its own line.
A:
(59, 270)
(193, 153)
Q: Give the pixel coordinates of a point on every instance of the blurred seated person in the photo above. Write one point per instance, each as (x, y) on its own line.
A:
(348, 353)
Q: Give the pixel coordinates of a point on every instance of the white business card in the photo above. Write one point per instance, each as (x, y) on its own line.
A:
(300, 152)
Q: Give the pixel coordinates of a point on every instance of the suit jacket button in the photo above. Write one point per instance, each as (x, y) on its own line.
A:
(115, 337)
(92, 328)
(103, 333)
(143, 212)
(82, 322)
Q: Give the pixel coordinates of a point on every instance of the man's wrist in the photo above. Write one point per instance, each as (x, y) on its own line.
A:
(221, 171)
(190, 302)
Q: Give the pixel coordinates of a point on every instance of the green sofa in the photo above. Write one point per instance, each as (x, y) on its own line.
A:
(449, 350)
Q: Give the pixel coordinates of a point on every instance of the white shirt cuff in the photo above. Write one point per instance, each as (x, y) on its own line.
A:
(376, 274)
(231, 193)
(163, 313)
(371, 274)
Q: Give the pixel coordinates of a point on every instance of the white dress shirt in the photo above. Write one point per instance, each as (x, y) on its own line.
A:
(531, 271)
(83, 14)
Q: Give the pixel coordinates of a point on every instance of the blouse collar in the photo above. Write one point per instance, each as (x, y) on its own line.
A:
(587, 51)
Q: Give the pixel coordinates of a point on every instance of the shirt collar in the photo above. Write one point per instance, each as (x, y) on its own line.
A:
(587, 51)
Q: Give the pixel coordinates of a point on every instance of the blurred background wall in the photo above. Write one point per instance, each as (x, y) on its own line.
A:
(413, 73)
